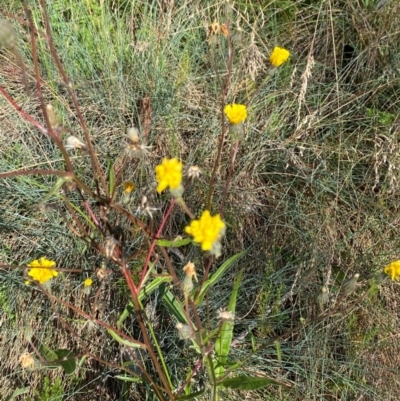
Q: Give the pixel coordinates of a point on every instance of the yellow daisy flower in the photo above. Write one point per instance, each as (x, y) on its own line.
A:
(169, 174)
(41, 270)
(393, 270)
(279, 56)
(236, 113)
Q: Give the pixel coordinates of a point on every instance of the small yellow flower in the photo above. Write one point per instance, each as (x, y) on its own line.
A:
(41, 270)
(278, 56)
(207, 231)
(169, 174)
(88, 282)
(129, 186)
(393, 270)
(236, 113)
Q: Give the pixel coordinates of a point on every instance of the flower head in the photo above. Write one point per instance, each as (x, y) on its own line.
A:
(278, 56)
(207, 231)
(236, 113)
(393, 270)
(129, 186)
(88, 282)
(169, 174)
(72, 142)
(26, 360)
(41, 270)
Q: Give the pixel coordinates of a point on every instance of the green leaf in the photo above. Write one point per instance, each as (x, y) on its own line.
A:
(69, 365)
(224, 340)
(47, 353)
(111, 176)
(126, 378)
(17, 392)
(123, 341)
(191, 396)
(174, 243)
(217, 275)
(247, 382)
(173, 304)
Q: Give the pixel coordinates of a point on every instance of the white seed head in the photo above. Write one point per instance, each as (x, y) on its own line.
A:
(72, 142)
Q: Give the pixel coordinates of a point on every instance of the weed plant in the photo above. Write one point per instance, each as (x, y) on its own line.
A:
(306, 187)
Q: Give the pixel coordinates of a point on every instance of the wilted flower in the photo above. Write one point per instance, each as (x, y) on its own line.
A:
(184, 331)
(350, 284)
(110, 245)
(72, 142)
(393, 270)
(225, 315)
(187, 283)
(236, 113)
(169, 174)
(134, 147)
(323, 297)
(145, 207)
(207, 231)
(194, 172)
(278, 56)
(26, 360)
(41, 270)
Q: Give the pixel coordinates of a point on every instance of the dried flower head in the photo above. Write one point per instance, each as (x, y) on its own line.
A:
(145, 207)
(169, 175)
(184, 331)
(26, 360)
(279, 56)
(134, 148)
(236, 113)
(187, 283)
(350, 284)
(42, 270)
(72, 142)
(52, 116)
(393, 270)
(110, 245)
(103, 274)
(194, 172)
(225, 315)
(323, 297)
(208, 231)
(224, 30)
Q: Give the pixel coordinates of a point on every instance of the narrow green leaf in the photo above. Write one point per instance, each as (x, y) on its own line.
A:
(128, 378)
(173, 304)
(224, 340)
(123, 341)
(17, 392)
(191, 396)
(69, 365)
(174, 243)
(247, 382)
(217, 275)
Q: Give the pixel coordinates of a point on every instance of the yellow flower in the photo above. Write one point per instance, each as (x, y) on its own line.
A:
(42, 270)
(278, 56)
(236, 113)
(393, 270)
(169, 174)
(207, 231)
(129, 186)
(88, 282)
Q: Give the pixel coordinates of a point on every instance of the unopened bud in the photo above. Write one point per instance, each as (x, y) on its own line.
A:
(53, 120)
(323, 297)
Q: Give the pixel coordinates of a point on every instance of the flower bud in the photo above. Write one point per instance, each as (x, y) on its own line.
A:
(350, 285)
(72, 142)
